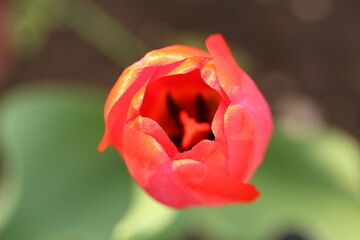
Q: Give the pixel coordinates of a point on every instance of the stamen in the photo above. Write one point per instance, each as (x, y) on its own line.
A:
(173, 109)
(202, 109)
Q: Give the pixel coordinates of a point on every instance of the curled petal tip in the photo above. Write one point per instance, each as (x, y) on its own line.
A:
(103, 144)
(253, 194)
(218, 47)
(215, 36)
(215, 39)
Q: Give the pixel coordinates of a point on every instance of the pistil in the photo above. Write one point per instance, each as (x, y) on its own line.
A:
(193, 131)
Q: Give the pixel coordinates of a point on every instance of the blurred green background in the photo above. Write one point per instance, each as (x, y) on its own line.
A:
(59, 59)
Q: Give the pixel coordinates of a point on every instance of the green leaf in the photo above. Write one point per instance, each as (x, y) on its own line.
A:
(308, 186)
(11, 176)
(144, 219)
(36, 19)
(101, 30)
(338, 155)
(33, 21)
(70, 191)
(301, 193)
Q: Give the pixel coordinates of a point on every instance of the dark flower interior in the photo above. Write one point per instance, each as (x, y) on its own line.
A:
(184, 106)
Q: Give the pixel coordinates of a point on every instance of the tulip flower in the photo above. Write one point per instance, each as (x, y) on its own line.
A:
(191, 125)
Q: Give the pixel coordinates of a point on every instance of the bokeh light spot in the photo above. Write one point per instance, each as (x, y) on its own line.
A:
(311, 10)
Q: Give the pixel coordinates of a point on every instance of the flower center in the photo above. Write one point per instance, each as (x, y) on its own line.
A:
(184, 106)
(193, 130)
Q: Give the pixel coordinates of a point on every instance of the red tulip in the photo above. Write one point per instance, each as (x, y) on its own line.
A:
(191, 125)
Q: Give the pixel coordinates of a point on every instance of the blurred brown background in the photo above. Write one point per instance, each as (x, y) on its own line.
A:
(303, 54)
(293, 49)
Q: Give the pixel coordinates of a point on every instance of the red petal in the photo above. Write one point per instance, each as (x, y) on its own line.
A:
(208, 74)
(247, 129)
(152, 128)
(151, 168)
(213, 187)
(243, 146)
(217, 125)
(142, 154)
(229, 74)
(208, 152)
(117, 104)
(249, 117)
